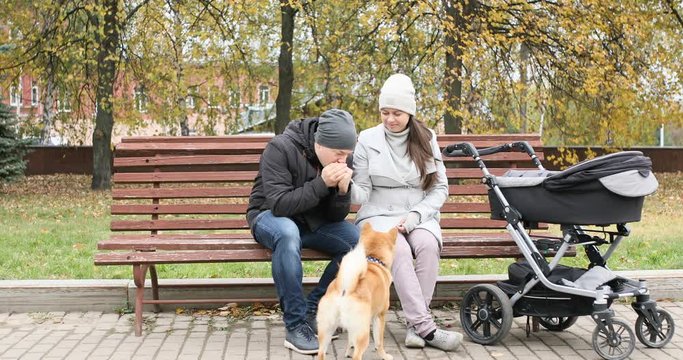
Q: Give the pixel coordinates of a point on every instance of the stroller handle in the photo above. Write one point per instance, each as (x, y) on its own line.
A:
(461, 149)
(467, 149)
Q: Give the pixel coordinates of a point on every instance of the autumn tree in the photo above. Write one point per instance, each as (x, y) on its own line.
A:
(109, 18)
(47, 42)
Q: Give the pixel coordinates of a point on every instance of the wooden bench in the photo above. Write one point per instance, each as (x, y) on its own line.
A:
(182, 200)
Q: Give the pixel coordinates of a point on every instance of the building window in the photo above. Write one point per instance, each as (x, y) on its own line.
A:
(191, 98)
(63, 103)
(15, 95)
(235, 99)
(34, 95)
(213, 98)
(263, 94)
(141, 99)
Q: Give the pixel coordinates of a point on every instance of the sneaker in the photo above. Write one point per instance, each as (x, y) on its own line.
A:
(302, 340)
(313, 323)
(445, 340)
(413, 340)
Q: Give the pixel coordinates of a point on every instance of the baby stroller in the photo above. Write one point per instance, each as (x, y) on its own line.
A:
(592, 202)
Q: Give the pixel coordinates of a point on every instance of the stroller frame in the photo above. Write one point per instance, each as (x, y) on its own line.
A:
(492, 309)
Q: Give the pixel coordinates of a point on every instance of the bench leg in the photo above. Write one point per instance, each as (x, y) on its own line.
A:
(155, 286)
(139, 272)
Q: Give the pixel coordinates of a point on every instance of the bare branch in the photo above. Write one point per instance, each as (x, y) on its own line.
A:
(675, 11)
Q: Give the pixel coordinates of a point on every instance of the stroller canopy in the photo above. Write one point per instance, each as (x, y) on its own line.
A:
(626, 173)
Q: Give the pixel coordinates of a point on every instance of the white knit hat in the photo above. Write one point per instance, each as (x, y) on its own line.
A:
(398, 93)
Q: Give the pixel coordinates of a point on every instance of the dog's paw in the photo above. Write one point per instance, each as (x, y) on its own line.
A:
(383, 354)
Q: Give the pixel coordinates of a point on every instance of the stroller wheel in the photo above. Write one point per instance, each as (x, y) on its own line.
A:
(486, 314)
(616, 342)
(655, 336)
(557, 323)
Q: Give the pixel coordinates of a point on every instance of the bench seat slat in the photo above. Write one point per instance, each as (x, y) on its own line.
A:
(216, 243)
(449, 238)
(167, 257)
(248, 255)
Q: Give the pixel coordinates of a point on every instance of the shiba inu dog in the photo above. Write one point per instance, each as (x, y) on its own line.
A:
(359, 295)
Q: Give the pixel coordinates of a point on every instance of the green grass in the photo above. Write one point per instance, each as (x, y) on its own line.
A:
(50, 225)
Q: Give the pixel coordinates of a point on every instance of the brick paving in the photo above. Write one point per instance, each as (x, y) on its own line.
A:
(99, 336)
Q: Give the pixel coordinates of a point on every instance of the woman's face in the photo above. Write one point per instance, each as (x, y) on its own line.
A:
(394, 120)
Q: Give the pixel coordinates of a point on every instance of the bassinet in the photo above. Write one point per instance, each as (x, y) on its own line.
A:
(605, 190)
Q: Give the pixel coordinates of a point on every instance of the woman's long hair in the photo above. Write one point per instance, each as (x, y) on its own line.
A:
(420, 150)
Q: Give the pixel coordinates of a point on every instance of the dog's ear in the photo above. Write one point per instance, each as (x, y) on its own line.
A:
(393, 233)
(366, 228)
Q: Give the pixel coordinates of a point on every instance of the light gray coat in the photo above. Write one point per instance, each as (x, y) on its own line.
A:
(386, 196)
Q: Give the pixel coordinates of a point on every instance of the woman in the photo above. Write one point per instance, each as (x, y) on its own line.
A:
(400, 180)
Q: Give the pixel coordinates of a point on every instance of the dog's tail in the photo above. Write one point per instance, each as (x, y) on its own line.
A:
(354, 265)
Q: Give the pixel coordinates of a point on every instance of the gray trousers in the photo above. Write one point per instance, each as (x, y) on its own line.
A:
(415, 281)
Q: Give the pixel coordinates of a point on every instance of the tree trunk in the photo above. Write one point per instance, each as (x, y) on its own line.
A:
(453, 72)
(524, 80)
(106, 76)
(184, 125)
(283, 103)
(48, 102)
(180, 89)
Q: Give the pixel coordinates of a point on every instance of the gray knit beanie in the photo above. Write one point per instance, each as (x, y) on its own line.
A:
(336, 130)
(398, 93)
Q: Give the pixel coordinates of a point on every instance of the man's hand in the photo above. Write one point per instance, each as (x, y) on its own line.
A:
(345, 181)
(333, 173)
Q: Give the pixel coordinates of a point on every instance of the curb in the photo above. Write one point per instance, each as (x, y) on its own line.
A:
(116, 295)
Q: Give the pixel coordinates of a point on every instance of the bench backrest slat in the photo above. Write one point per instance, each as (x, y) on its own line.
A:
(209, 224)
(238, 209)
(244, 176)
(168, 158)
(451, 138)
(180, 193)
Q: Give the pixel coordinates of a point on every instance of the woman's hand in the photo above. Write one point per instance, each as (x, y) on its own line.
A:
(408, 224)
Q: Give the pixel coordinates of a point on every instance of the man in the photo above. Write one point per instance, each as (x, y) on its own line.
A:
(300, 198)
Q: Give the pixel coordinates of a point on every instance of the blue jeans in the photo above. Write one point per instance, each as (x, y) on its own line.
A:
(286, 239)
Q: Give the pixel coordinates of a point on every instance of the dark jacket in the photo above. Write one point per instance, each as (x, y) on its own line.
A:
(289, 182)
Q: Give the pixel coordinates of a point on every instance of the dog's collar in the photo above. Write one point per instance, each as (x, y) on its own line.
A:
(375, 260)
